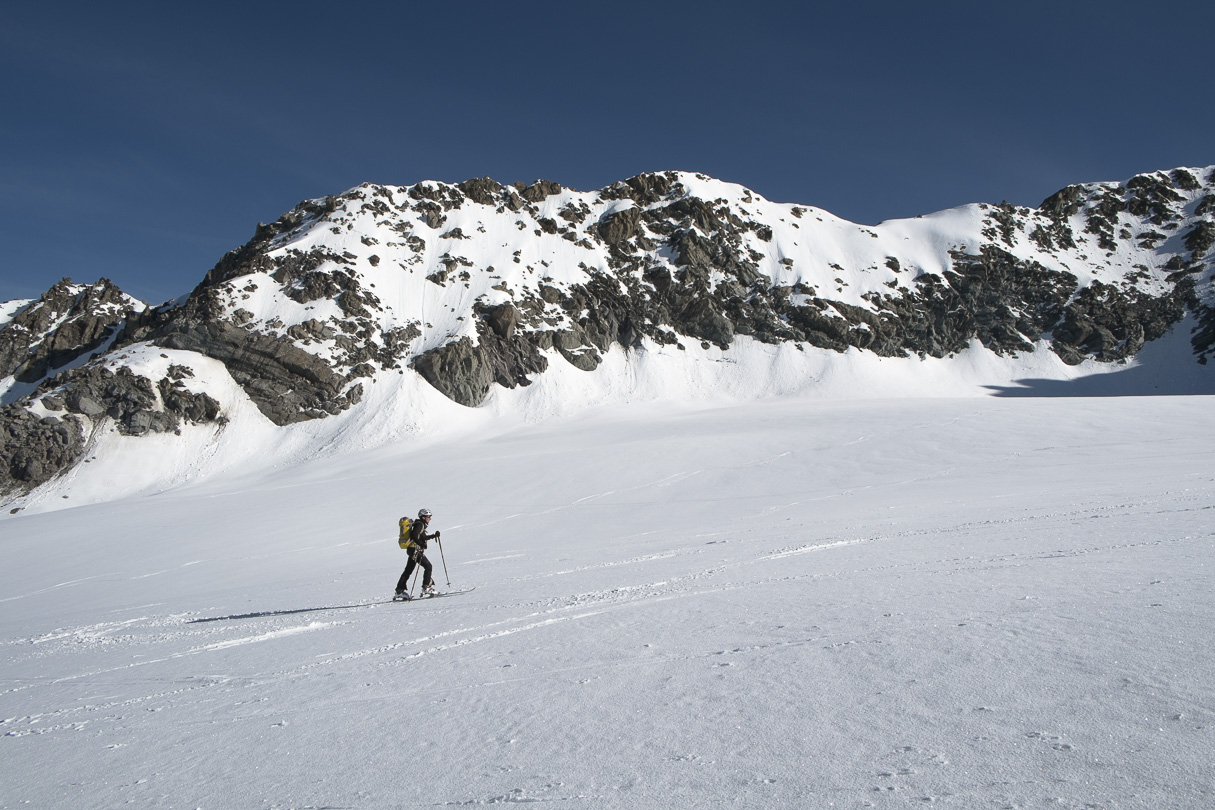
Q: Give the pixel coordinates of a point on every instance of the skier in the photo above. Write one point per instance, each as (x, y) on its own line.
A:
(418, 537)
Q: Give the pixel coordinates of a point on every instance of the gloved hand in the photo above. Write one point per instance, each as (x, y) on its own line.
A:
(437, 535)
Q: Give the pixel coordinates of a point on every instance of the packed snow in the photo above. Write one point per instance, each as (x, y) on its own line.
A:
(791, 602)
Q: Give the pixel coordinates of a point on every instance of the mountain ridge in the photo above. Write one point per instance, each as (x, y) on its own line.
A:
(479, 287)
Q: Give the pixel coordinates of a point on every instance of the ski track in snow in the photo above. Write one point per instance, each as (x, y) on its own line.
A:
(56, 587)
(530, 616)
(498, 558)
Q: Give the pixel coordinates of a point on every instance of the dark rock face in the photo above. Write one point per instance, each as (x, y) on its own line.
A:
(1153, 197)
(503, 319)
(464, 372)
(198, 408)
(1003, 302)
(1109, 324)
(1059, 208)
(250, 257)
(1200, 238)
(715, 290)
(127, 398)
(64, 324)
(538, 190)
(620, 226)
(482, 190)
(303, 281)
(286, 383)
(644, 189)
(34, 450)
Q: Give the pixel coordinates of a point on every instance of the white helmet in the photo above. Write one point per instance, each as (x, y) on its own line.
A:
(423, 513)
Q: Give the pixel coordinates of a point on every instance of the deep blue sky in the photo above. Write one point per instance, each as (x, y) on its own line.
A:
(139, 142)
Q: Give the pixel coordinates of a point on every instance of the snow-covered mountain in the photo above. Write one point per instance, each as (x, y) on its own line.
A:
(386, 311)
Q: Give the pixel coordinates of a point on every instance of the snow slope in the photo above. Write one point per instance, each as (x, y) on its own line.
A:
(355, 321)
(8, 309)
(406, 409)
(790, 602)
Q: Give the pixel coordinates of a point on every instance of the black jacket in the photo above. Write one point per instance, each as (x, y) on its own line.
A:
(418, 534)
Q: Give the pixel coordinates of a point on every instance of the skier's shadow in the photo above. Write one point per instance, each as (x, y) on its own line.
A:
(264, 613)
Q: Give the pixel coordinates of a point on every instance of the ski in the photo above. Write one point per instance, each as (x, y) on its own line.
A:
(434, 595)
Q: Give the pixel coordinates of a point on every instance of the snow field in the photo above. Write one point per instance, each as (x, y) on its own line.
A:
(974, 602)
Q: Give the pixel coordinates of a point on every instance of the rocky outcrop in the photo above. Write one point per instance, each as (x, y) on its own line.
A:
(129, 399)
(68, 321)
(1109, 324)
(620, 227)
(286, 383)
(483, 190)
(713, 288)
(538, 190)
(35, 449)
(251, 257)
(180, 401)
(464, 371)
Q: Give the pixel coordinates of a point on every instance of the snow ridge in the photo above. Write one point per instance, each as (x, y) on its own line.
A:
(386, 312)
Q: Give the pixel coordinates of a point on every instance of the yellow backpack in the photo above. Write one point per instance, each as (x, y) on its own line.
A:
(406, 524)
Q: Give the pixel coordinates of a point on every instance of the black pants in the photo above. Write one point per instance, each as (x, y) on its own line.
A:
(420, 559)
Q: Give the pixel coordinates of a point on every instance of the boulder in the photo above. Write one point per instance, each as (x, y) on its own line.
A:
(620, 226)
(34, 450)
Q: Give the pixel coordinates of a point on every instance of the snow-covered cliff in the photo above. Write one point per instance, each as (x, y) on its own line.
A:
(386, 311)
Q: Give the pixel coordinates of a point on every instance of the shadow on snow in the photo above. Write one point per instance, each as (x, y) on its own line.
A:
(1164, 367)
(264, 613)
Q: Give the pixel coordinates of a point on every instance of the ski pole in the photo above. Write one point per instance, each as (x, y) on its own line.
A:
(439, 540)
(416, 571)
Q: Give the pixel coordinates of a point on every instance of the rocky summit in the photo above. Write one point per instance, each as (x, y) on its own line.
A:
(480, 286)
